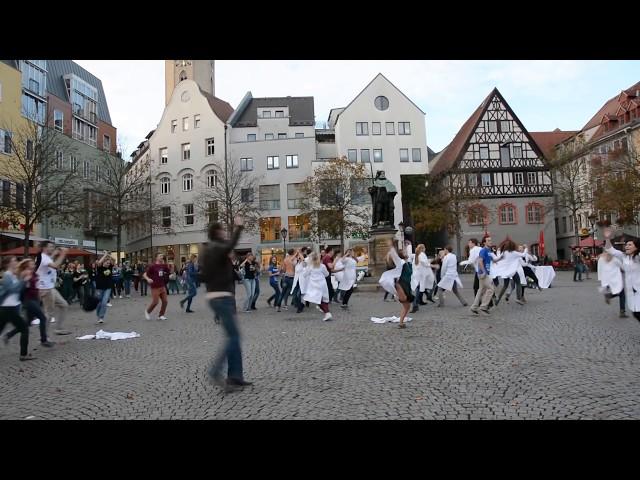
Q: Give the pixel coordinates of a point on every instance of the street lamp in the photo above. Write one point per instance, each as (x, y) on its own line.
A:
(592, 219)
(284, 232)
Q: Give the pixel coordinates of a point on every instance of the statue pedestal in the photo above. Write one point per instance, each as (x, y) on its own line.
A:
(378, 249)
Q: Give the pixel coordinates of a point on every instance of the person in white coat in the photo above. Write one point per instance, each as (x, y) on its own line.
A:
(317, 290)
(348, 264)
(449, 279)
(631, 266)
(388, 279)
(611, 280)
(422, 278)
(507, 265)
(299, 281)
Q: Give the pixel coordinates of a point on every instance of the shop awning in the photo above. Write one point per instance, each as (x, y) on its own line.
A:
(19, 236)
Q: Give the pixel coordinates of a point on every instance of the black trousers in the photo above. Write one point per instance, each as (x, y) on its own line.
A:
(33, 310)
(476, 284)
(637, 315)
(528, 272)
(12, 315)
(347, 296)
(332, 292)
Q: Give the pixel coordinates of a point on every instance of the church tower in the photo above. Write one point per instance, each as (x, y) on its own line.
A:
(200, 71)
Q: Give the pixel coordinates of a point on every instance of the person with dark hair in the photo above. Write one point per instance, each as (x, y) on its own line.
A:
(274, 277)
(402, 283)
(298, 279)
(317, 287)
(104, 285)
(327, 261)
(631, 266)
(510, 266)
(249, 267)
(578, 266)
(449, 279)
(157, 275)
(144, 286)
(474, 251)
(217, 274)
(13, 283)
(288, 274)
(191, 274)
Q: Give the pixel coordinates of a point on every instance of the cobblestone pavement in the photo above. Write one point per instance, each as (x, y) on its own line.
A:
(565, 354)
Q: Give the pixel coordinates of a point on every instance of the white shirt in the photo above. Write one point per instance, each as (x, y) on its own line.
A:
(46, 275)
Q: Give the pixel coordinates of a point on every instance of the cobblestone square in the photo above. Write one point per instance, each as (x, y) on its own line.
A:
(563, 355)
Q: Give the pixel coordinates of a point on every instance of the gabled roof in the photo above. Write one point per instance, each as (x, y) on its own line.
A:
(547, 141)
(448, 157)
(610, 107)
(369, 84)
(221, 108)
(301, 111)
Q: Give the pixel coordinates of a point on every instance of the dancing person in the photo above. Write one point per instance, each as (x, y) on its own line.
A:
(507, 265)
(402, 283)
(31, 304)
(474, 251)
(449, 279)
(256, 292)
(191, 274)
(249, 267)
(68, 290)
(218, 275)
(11, 288)
(104, 285)
(631, 266)
(436, 266)
(484, 296)
(289, 273)
(156, 276)
(317, 290)
(300, 281)
(172, 284)
(116, 273)
(274, 281)
(422, 278)
(327, 261)
(611, 280)
(349, 274)
(49, 295)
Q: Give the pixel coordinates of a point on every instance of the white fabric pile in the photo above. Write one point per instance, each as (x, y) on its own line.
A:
(393, 319)
(102, 335)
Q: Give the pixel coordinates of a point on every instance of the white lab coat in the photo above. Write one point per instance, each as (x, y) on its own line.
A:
(449, 272)
(338, 276)
(349, 272)
(422, 275)
(474, 253)
(388, 278)
(610, 274)
(631, 267)
(509, 265)
(299, 278)
(316, 288)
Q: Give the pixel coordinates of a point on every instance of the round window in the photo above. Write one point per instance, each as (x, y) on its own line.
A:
(381, 103)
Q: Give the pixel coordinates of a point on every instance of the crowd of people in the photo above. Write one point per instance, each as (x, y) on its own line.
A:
(41, 289)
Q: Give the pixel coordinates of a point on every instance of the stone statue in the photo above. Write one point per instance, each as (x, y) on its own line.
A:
(382, 194)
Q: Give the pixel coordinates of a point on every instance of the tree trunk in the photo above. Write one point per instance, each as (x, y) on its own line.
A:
(118, 241)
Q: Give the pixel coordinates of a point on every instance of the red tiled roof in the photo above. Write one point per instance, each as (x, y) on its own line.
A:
(221, 108)
(448, 157)
(610, 107)
(548, 140)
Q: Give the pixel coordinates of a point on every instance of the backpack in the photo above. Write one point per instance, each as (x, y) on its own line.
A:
(90, 303)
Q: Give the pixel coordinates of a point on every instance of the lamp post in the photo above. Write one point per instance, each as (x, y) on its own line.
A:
(592, 219)
(284, 232)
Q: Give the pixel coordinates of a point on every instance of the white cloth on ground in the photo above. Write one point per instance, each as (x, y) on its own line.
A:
(393, 319)
(102, 335)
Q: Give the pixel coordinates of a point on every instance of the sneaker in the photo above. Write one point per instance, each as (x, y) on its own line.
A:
(474, 310)
(109, 305)
(35, 322)
(344, 307)
(238, 382)
(278, 309)
(24, 358)
(286, 307)
(327, 317)
(485, 311)
(146, 314)
(127, 296)
(120, 296)
(47, 344)
(101, 320)
(519, 302)
(53, 319)
(162, 317)
(189, 311)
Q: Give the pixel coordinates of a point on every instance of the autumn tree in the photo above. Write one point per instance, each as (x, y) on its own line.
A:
(336, 200)
(37, 176)
(226, 193)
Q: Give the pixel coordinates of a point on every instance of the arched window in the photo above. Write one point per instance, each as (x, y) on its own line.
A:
(212, 178)
(187, 182)
(165, 185)
(183, 75)
(507, 214)
(535, 213)
(477, 215)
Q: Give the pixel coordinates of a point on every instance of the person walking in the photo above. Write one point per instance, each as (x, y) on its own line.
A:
(217, 273)
(507, 264)
(104, 285)
(449, 279)
(327, 261)
(157, 276)
(316, 275)
(256, 292)
(631, 266)
(68, 292)
(578, 264)
(49, 295)
(422, 277)
(484, 296)
(191, 274)
(249, 267)
(349, 274)
(300, 281)
(11, 288)
(127, 278)
(474, 251)
(274, 281)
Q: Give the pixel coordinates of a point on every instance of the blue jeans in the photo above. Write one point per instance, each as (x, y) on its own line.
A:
(127, 286)
(250, 288)
(191, 289)
(277, 295)
(287, 282)
(224, 309)
(104, 296)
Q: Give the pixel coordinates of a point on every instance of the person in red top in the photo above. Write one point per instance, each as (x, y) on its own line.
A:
(157, 275)
(31, 304)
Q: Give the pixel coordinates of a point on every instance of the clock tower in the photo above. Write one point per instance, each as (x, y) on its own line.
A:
(200, 71)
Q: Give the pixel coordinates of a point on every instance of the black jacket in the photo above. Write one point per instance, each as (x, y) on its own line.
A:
(216, 267)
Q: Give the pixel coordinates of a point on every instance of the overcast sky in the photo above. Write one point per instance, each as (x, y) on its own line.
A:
(544, 94)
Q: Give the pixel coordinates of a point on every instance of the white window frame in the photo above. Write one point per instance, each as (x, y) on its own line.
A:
(187, 182)
(188, 215)
(55, 126)
(245, 163)
(362, 129)
(362, 159)
(186, 151)
(404, 128)
(165, 185)
(185, 124)
(212, 178)
(483, 176)
(268, 136)
(377, 150)
(292, 161)
(518, 178)
(86, 169)
(166, 217)
(196, 121)
(273, 162)
(174, 126)
(405, 158)
(391, 131)
(164, 156)
(249, 135)
(532, 176)
(413, 156)
(210, 146)
(355, 155)
(373, 128)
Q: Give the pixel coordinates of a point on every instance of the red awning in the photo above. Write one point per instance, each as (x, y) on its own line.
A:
(588, 243)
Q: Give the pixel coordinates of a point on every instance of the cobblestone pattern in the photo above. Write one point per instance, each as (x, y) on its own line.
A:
(563, 355)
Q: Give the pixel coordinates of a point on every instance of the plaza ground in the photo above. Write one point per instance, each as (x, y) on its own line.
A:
(563, 355)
